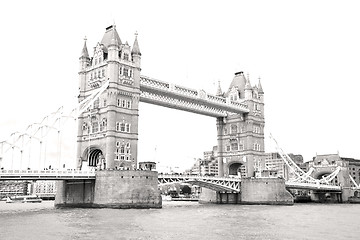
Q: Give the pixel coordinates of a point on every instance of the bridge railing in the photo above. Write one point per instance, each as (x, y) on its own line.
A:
(199, 177)
(48, 172)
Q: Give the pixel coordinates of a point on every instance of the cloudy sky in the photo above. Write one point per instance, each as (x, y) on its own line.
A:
(307, 54)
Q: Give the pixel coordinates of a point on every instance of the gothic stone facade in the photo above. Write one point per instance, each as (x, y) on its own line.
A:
(108, 130)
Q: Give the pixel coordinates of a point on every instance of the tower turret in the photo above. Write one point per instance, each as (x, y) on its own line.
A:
(260, 91)
(84, 62)
(219, 91)
(84, 57)
(136, 59)
(248, 89)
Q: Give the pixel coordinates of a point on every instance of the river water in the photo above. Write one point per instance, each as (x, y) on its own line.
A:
(181, 220)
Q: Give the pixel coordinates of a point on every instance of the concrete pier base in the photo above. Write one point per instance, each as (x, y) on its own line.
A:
(253, 191)
(111, 189)
(326, 197)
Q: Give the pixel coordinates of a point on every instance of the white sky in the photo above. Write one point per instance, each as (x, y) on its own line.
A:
(307, 54)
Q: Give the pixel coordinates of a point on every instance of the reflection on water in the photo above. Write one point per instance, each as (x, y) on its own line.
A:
(181, 220)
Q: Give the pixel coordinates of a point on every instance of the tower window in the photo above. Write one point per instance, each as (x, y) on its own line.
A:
(123, 103)
(128, 104)
(126, 72)
(96, 103)
(122, 127)
(233, 128)
(128, 127)
(234, 146)
(95, 127)
(126, 57)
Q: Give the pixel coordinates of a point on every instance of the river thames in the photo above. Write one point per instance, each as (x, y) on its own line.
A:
(181, 220)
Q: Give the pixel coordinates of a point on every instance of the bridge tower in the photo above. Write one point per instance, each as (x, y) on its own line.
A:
(241, 136)
(108, 130)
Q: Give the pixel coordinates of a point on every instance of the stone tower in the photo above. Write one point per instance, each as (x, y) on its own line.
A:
(108, 131)
(241, 136)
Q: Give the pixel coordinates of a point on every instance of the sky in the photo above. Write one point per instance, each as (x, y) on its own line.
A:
(307, 54)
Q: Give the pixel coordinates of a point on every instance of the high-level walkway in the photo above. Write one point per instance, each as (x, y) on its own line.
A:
(178, 97)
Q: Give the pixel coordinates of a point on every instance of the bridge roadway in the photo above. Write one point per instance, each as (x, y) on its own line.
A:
(222, 184)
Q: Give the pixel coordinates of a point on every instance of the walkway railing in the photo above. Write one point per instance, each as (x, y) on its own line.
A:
(45, 174)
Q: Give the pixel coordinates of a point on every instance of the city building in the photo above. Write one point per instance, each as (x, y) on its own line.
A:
(206, 166)
(274, 162)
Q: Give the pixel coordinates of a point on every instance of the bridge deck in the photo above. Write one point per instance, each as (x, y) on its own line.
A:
(213, 182)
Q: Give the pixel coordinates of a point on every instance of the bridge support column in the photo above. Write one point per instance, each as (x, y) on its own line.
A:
(220, 133)
(270, 191)
(327, 197)
(111, 189)
(74, 193)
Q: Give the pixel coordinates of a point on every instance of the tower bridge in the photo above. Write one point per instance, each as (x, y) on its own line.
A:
(111, 88)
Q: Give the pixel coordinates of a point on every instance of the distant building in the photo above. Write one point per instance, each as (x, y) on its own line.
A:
(274, 162)
(207, 166)
(11, 188)
(44, 189)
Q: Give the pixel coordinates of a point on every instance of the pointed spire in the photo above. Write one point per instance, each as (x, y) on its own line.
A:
(260, 87)
(84, 52)
(247, 84)
(218, 91)
(135, 48)
(110, 34)
(114, 39)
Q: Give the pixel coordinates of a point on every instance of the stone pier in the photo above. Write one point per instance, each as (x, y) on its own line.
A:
(111, 189)
(253, 191)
